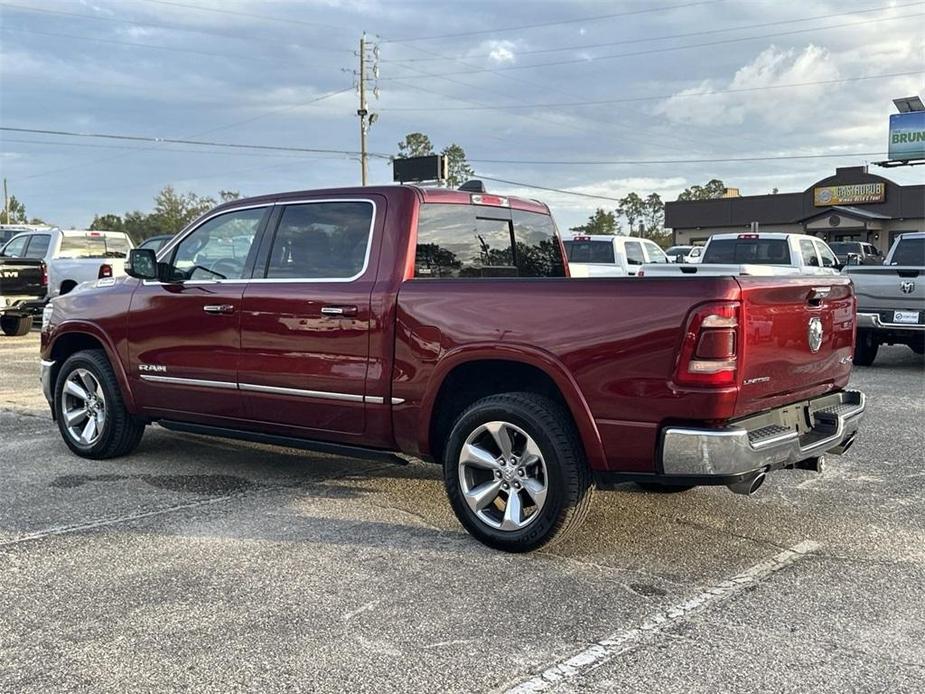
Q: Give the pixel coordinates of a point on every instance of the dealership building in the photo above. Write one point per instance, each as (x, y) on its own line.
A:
(852, 205)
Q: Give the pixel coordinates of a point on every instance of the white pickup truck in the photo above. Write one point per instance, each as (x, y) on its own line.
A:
(72, 256)
(762, 253)
(601, 255)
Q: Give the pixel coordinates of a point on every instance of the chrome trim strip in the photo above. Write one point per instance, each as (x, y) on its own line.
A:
(276, 280)
(398, 401)
(320, 394)
(197, 382)
(375, 399)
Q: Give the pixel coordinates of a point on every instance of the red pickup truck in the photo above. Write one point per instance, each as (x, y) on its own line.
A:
(442, 324)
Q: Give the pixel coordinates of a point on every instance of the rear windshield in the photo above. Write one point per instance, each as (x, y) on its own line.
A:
(843, 247)
(752, 251)
(482, 241)
(589, 252)
(93, 247)
(909, 252)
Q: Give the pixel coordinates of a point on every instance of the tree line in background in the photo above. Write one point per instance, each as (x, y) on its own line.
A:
(15, 213)
(644, 217)
(172, 211)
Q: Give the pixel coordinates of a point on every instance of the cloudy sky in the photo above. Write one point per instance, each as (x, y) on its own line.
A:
(599, 98)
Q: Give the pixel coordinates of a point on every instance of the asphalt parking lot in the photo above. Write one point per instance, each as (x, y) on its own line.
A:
(209, 565)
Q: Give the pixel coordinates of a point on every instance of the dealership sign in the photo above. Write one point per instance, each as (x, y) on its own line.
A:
(907, 136)
(854, 194)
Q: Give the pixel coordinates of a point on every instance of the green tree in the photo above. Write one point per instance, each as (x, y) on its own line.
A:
(17, 212)
(458, 168)
(173, 211)
(601, 222)
(415, 145)
(107, 222)
(228, 195)
(419, 145)
(714, 188)
(632, 208)
(653, 215)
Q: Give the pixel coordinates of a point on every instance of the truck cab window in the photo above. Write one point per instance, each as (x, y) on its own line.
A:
(656, 254)
(828, 258)
(218, 249)
(323, 240)
(808, 253)
(38, 246)
(16, 248)
(634, 254)
(463, 241)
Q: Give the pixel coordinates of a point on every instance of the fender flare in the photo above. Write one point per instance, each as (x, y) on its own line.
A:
(524, 354)
(72, 327)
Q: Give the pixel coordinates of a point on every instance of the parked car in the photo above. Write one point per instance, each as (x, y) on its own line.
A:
(891, 299)
(441, 324)
(684, 254)
(763, 253)
(610, 256)
(856, 253)
(72, 256)
(155, 243)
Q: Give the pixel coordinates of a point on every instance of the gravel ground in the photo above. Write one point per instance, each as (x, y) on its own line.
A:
(209, 565)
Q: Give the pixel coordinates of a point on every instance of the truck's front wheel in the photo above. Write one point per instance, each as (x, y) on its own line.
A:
(865, 348)
(515, 473)
(90, 411)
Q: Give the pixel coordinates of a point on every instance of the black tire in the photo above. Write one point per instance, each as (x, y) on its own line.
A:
(865, 348)
(659, 488)
(120, 432)
(569, 482)
(15, 326)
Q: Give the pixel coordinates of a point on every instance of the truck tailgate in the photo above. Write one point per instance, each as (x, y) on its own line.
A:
(889, 288)
(784, 359)
(21, 278)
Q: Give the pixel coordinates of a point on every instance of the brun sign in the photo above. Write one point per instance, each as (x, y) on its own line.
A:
(854, 194)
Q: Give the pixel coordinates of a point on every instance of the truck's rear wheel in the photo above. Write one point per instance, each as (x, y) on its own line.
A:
(865, 348)
(515, 473)
(90, 411)
(15, 326)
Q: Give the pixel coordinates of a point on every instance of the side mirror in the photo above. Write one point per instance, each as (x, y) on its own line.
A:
(141, 264)
(853, 259)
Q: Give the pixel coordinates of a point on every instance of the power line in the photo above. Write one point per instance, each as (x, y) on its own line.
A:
(169, 27)
(546, 188)
(248, 15)
(673, 161)
(661, 96)
(131, 44)
(667, 49)
(200, 143)
(645, 39)
(648, 10)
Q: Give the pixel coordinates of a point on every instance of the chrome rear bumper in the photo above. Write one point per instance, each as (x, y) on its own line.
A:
(873, 321)
(771, 440)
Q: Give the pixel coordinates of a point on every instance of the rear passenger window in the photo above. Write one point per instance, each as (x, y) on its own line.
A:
(322, 240)
(38, 246)
(808, 252)
(634, 254)
(477, 241)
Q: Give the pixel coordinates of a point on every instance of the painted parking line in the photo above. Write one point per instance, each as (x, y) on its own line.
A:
(605, 649)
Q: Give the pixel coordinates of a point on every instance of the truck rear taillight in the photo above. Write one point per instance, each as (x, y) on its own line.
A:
(709, 348)
(44, 279)
(105, 271)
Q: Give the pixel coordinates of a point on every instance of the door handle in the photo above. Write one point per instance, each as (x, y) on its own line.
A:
(338, 310)
(218, 308)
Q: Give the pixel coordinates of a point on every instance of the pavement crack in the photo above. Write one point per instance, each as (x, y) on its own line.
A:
(730, 533)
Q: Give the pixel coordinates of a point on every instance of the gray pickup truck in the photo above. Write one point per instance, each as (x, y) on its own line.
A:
(891, 299)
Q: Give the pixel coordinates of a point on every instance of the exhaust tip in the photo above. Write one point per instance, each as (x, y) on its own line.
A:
(749, 485)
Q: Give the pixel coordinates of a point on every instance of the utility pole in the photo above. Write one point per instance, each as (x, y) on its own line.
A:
(369, 69)
(6, 204)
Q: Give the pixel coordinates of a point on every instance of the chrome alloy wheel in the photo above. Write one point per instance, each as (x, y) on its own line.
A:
(503, 476)
(83, 407)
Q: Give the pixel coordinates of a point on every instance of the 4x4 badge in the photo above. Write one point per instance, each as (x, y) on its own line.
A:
(814, 334)
(907, 287)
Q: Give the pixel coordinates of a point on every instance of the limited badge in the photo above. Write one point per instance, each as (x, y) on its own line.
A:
(814, 334)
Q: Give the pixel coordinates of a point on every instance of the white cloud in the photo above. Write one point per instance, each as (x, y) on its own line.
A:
(772, 68)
